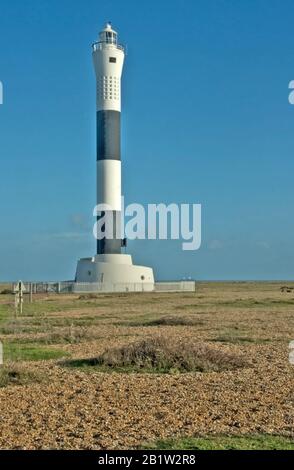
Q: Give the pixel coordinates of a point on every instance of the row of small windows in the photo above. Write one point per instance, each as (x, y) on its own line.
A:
(108, 92)
(108, 85)
(109, 82)
(109, 79)
(109, 88)
(108, 95)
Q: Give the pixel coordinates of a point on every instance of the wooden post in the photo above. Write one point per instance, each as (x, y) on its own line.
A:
(31, 293)
(19, 289)
(15, 304)
(20, 300)
(72, 334)
(1, 353)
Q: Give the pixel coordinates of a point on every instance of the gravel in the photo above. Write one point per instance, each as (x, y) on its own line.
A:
(82, 409)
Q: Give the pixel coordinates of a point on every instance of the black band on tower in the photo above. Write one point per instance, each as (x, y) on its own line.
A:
(108, 148)
(111, 245)
(108, 135)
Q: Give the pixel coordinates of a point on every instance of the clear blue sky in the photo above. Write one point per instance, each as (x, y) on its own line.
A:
(206, 119)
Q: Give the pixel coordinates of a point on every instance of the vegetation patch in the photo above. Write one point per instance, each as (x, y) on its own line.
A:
(90, 296)
(174, 320)
(40, 308)
(71, 335)
(17, 326)
(235, 339)
(252, 303)
(183, 307)
(16, 351)
(253, 442)
(162, 355)
(168, 320)
(14, 374)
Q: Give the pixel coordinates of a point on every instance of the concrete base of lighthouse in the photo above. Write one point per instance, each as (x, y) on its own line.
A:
(112, 273)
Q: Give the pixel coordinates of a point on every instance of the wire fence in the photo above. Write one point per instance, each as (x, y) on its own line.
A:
(64, 287)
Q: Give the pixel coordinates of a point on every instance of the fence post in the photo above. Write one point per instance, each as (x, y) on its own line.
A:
(1, 353)
(31, 293)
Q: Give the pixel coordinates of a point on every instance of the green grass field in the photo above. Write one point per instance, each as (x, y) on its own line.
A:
(263, 442)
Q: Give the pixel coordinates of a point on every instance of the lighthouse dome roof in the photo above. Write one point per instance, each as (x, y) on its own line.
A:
(108, 34)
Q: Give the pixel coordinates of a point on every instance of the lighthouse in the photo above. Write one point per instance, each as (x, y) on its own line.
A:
(110, 269)
(108, 58)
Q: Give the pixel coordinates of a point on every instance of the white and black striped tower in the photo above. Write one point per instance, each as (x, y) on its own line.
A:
(108, 58)
(110, 270)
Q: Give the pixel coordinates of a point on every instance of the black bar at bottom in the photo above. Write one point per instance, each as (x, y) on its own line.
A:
(142, 458)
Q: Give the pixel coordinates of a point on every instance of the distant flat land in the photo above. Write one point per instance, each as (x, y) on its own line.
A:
(55, 395)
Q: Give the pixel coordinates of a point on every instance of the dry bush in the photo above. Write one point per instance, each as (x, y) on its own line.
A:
(71, 335)
(167, 320)
(12, 327)
(14, 374)
(173, 320)
(88, 296)
(165, 355)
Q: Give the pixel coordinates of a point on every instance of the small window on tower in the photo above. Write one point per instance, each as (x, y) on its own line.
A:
(112, 59)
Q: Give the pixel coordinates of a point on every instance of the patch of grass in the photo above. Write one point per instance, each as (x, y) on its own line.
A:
(249, 303)
(70, 335)
(5, 311)
(16, 326)
(161, 355)
(254, 442)
(11, 327)
(90, 365)
(88, 296)
(173, 320)
(234, 339)
(16, 351)
(45, 323)
(168, 320)
(283, 302)
(40, 308)
(14, 374)
(182, 307)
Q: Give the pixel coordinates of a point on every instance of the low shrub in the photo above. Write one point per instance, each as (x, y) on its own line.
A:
(14, 374)
(165, 355)
(6, 291)
(173, 320)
